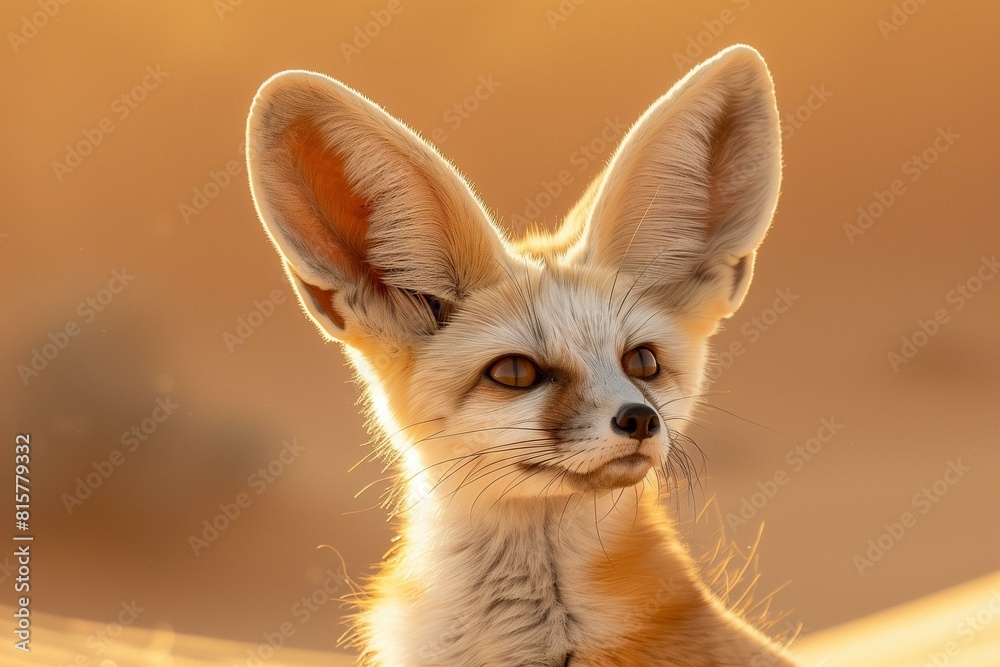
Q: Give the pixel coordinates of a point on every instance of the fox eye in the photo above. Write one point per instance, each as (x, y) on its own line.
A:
(640, 362)
(515, 371)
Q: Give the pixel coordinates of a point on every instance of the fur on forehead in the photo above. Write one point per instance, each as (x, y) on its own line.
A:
(556, 314)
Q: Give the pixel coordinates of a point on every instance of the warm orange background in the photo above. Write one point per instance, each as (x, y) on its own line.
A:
(887, 97)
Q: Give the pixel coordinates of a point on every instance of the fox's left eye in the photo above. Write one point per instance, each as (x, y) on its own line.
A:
(640, 362)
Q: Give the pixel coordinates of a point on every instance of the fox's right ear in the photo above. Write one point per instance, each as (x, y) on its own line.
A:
(379, 234)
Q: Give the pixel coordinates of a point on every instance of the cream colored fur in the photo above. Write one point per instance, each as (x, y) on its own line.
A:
(531, 528)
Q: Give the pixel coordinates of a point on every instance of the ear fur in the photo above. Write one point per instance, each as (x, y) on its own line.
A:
(690, 193)
(378, 232)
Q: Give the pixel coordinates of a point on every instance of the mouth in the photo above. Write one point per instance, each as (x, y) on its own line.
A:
(614, 474)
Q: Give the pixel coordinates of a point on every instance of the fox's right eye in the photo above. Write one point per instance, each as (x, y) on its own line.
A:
(515, 371)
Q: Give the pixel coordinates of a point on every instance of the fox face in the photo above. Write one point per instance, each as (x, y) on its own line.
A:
(539, 367)
(555, 380)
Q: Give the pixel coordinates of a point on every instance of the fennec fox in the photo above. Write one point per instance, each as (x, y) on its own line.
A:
(530, 393)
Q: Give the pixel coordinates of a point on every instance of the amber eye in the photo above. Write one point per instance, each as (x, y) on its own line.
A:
(640, 363)
(514, 371)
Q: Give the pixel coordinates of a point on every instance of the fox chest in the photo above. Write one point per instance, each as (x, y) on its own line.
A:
(496, 603)
(526, 619)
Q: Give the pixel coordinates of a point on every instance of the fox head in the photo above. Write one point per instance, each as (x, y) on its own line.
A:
(543, 366)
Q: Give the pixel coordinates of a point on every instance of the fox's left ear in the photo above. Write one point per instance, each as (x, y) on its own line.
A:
(690, 193)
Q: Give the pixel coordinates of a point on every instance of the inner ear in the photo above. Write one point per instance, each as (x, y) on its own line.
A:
(323, 300)
(720, 188)
(738, 159)
(335, 226)
(739, 276)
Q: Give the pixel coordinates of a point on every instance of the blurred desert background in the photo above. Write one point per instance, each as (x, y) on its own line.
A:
(130, 251)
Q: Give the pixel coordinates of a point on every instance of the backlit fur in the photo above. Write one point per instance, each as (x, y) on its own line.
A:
(531, 529)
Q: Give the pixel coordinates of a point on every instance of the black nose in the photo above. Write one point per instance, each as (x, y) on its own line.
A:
(636, 421)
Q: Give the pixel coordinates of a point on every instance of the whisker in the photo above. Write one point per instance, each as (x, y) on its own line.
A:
(531, 304)
(611, 294)
(744, 419)
(385, 439)
(486, 488)
(597, 527)
(636, 282)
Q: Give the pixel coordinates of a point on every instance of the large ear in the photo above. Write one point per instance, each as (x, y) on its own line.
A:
(380, 235)
(691, 190)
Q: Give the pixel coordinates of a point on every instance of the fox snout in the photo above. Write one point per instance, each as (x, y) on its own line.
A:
(636, 421)
(615, 456)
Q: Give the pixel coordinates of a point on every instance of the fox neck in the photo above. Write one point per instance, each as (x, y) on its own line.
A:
(589, 580)
(561, 534)
(551, 574)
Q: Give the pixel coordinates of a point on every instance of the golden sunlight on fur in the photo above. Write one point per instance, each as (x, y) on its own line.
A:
(905, 635)
(530, 394)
